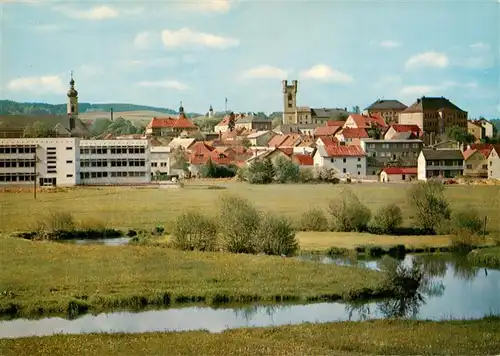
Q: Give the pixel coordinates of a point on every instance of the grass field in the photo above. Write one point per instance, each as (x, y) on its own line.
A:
(123, 207)
(384, 337)
(489, 257)
(47, 277)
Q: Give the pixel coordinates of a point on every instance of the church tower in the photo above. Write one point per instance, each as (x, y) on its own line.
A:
(181, 111)
(210, 112)
(72, 107)
(289, 101)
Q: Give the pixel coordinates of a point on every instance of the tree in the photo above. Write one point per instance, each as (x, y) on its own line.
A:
(39, 129)
(460, 134)
(100, 126)
(286, 171)
(355, 109)
(261, 172)
(246, 143)
(375, 133)
(179, 159)
(232, 122)
(431, 207)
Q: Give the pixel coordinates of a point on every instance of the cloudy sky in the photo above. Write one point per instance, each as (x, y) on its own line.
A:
(343, 53)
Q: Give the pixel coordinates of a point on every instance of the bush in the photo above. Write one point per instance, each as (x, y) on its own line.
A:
(238, 224)
(286, 171)
(431, 207)
(211, 170)
(348, 213)
(60, 221)
(276, 236)
(194, 231)
(388, 219)
(241, 174)
(313, 220)
(326, 175)
(306, 175)
(468, 219)
(464, 240)
(260, 172)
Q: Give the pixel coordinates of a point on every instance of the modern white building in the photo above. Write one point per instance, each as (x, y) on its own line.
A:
(72, 161)
(160, 160)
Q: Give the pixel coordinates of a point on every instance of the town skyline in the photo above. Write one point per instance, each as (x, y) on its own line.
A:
(210, 51)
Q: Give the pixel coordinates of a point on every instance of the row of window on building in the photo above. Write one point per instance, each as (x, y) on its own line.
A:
(112, 150)
(90, 175)
(13, 163)
(113, 163)
(17, 177)
(17, 149)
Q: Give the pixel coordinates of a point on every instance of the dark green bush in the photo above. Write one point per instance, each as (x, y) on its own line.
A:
(468, 219)
(194, 231)
(276, 236)
(260, 172)
(313, 220)
(286, 171)
(388, 219)
(431, 207)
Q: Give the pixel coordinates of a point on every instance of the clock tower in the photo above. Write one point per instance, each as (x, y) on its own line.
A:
(289, 101)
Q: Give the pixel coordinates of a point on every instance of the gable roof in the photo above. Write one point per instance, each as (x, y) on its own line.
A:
(181, 142)
(432, 104)
(170, 122)
(284, 140)
(387, 104)
(252, 118)
(303, 159)
(335, 123)
(257, 134)
(329, 141)
(341, 151)
(366, 121)
(436, 154)
(333, 113)
(326, 130)
(406, 128)
(400, 170)
(353, 133)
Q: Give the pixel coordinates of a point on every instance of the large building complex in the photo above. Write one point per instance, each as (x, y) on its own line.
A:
(73, 161)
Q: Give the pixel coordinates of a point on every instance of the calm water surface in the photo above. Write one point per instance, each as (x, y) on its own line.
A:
(455, 290)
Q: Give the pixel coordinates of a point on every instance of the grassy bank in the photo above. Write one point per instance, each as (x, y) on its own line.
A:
(489, 257)
(382, 337)
(44, 277)
(124, 208)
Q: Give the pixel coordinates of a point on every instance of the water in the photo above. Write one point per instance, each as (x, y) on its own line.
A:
(116, 241)
(454, 290)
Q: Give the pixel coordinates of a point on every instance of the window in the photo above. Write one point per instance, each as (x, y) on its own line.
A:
(332, 160)
(359, 159)
(469, 166)
(344, 170)
(69, 176)
(484, 166)
(69, 161)
(358, 166)
(154, 164)
(344, 160)
(69, 148)
(359, 173)
(163, 164)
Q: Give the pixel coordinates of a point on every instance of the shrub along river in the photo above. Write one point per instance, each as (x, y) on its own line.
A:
(453, 289)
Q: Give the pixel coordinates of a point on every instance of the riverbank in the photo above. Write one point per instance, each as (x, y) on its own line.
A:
(489, 257)
(43, 278)
(381, 337)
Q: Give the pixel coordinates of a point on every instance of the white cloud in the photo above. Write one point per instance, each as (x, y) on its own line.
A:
(47, 84)
(477, 62)
(186, 37)
(480, 45)
(101, 12)
(220, 6)
(389, 44)
(145, 39)
(169, 84)
(324, 73)
(428, 59)
(419, 90)
(265, 71)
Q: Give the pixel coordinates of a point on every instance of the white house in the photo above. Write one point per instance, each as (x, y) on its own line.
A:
(345, 160)
(487, 127)
(398, 174)
(440, 163)
(160, 160)
(494, 163)
(260, 138)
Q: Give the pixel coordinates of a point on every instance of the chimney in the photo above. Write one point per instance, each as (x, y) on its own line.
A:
(220, 135)
(111, 113)
(71, 123)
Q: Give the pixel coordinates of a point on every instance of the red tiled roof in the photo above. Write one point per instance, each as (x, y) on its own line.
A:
(277, 140)
(363, 121)
(354, 133)
(286, 150)
(329, 141)
(483, 148)
(283, 140)
(344, 151)
(326, 130)
(200, 148)
(335, 123)
(406, 128)
(169, 122)
(303, 159)
(400, 170)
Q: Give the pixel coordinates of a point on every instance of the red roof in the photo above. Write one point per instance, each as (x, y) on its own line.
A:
(326, 130)
(354, 133)
(400, 170)
(303, 159)
(483, 148)
(345, 151)
(283, 140)
(407, 128)
(169, 122)
(335, 123)
(329, 141)
(365, 122)
(286, 150)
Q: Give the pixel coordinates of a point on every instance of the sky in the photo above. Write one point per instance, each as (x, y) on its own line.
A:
(343, 53)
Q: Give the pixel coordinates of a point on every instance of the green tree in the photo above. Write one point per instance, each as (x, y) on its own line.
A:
(179, 159)
(430, 205)
(232, 122)
(260, 172)
(100, 126)
(246, 143)
(39, 129)
(209, 169)
(286, 171)
(355, 109)
(460, 134)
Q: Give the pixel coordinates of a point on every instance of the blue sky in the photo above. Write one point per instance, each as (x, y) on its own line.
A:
(343, 53)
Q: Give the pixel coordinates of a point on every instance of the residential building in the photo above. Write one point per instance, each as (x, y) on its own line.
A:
(51, 161)
(384, 153)
(73, 161)
(447, 144)
(272, 155)
(223, 125)
(303, 160)
(160, 160)
(252, 122)
(171, 126)
(357, 121)
(475, 129)
(183, 143)
(494, 163)
(476, 162)
(389, 109)
(290, 140)
(104, 162)
(351, 136)
(440, 163)
(398, 174)
(325, 130)
(303, 129)
(398, 131)
(201, 152)
(344, 160)
(488, 128)
(299, 115)
(434, 115)
(260, 138)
